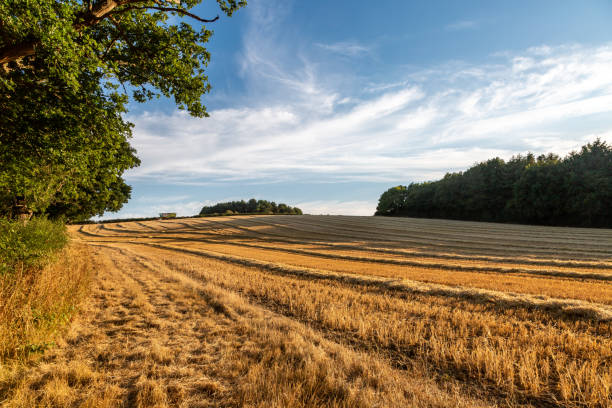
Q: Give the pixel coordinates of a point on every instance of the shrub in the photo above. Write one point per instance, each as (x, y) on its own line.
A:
(29, 245)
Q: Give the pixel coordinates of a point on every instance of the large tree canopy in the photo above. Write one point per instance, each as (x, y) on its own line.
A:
(67, 71)
(129, 41)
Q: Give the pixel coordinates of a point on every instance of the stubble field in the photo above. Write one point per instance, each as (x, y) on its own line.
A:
(292, 311)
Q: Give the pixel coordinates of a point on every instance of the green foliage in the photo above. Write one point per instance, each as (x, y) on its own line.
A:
(252, 206)
(29, 245)
(128, 41)
(390, 200)
(67, 70)
(64, 155)
(575, 191)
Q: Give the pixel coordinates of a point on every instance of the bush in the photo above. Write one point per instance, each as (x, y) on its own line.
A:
(30, 245)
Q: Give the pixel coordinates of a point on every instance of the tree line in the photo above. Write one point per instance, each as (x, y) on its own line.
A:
(546, 190)
(252, 206)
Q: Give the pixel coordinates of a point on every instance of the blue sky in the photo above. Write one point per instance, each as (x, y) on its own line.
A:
(325, 105)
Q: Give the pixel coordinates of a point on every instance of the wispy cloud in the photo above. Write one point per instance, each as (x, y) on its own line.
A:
(300, 122)
(347, 48)
(462, 25)
(412, 131)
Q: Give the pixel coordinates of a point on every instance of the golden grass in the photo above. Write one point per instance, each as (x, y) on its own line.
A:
(335, 312)
(505, 352)
(592, 291)
(36, 306)
(38, 302)
(572, 283)
(229, 352)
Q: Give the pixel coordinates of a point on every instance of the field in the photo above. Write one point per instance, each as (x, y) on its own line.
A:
(292, 311)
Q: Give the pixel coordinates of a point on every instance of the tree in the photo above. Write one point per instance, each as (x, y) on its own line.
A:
(540, 194)
(67, 69)
(129, 41)
(391, 201)
(589, 185)
(250, 207)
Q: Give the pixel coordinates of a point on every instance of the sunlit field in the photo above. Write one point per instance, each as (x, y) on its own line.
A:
(291, 311)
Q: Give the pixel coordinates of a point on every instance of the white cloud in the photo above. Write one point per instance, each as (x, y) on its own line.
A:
(299, 122)
(336, 207)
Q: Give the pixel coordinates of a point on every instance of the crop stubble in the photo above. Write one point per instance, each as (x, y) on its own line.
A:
(343, 311)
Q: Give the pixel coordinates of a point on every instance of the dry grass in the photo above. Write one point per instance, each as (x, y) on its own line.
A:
(579, 288)
(575, 309)
(511, 354)
(37, 302)
(335, 312)
(229, 352)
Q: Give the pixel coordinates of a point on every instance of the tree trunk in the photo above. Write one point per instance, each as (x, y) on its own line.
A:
(20, 211)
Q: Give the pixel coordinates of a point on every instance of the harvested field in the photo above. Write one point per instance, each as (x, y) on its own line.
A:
(279, 311)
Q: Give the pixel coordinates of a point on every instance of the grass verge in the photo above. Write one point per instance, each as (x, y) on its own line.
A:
(41, 282)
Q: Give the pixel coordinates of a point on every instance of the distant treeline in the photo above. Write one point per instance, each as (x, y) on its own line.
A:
(252, 206)
(547, 190)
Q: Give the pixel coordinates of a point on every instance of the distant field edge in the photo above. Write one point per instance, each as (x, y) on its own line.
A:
(115, 220)
(492, 222)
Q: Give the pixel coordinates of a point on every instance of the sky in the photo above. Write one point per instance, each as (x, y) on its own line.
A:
(326, 104)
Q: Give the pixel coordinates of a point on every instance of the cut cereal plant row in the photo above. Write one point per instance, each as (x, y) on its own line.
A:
(276, 235)
(285, 231)
(335, 254)
(199, 229)
(158, 338)
(591, 291)
(479, 314)
(571, 308)
(553, 287)
(458, 242)
(500, 352)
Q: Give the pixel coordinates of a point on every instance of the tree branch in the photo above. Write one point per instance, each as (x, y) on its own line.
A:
(16, 52)
(168, 9)
(92, 15)
(99, 12)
